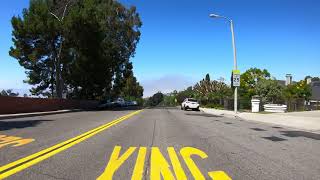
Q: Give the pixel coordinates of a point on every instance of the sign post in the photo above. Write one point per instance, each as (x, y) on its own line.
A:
(236, 84)
(236, 78)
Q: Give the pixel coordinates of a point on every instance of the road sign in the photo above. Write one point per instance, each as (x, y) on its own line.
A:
(236, 78)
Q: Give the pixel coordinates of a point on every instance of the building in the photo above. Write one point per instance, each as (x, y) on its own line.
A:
(288, 80)
(314, 102)
(315, 87)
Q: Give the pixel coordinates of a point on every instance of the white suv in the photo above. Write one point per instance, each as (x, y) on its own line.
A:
(190, 103)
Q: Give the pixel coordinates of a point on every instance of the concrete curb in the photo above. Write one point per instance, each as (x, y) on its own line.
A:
(22, 115)
(229, 114)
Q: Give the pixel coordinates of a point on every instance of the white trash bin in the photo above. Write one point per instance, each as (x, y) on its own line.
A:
(255, 104)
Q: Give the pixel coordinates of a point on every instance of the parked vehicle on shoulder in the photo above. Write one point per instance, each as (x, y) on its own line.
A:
(190, 103)
(105, 104)
(132, 103)
(120, 102)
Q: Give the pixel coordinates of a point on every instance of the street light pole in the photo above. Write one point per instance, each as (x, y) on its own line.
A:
(235, 65)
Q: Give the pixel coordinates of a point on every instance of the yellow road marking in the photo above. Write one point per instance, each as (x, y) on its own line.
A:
(138, 168)
(115, 162)
(10, 140)
(176, 164)
(6, 139)
(186, 153)
(159, 166)
(19, 142)
(23, 163)
(219, 175)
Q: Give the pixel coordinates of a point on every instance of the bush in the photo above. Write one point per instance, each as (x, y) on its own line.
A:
(213, 105)
(245, 103)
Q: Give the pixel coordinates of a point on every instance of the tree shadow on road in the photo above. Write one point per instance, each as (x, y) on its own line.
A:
(301, 134)
(8, 125)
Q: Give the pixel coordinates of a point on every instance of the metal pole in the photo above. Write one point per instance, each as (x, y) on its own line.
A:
(235, 66)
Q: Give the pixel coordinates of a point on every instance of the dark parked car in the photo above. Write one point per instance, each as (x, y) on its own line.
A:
(106, 104)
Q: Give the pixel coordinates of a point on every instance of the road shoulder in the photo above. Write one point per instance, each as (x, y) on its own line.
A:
(283, 119)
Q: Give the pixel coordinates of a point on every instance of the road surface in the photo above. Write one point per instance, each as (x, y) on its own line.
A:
(153, 144)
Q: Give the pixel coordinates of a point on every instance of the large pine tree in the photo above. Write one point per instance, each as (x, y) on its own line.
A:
(98, 38)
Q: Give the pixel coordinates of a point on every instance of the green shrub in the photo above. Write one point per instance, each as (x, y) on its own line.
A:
(213, 105)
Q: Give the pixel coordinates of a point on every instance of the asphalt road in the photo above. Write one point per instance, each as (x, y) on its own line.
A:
(154, 143)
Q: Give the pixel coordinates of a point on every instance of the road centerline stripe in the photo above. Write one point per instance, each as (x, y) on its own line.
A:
(53, 147)
(23, 163)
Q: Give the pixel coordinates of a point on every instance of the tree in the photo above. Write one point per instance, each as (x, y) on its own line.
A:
(156, 99)
(132, 89)
(204, 87)
(100, 61)
(187, 93)
(124, 78)
(169, 99)
(208, 90)
(99, 38)
(269, 90)
(249, 80)
(298, 90)
(36, 41)
(295, 93)
(8, 92)
(313, 79)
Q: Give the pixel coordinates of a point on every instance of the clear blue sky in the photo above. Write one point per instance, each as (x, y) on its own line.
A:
(180, 43)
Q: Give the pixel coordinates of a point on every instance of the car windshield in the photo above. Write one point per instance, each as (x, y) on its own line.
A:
(192, 100)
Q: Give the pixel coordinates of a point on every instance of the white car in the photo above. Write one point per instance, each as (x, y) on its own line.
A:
(190, 103)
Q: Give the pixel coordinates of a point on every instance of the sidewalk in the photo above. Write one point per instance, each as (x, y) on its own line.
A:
(21, 115)
(308, 120)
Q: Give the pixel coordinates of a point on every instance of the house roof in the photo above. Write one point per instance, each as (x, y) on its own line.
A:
(315, 86)
(315, 83)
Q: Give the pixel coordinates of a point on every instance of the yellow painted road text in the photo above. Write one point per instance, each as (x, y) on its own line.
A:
(13, 141)
(160, 167)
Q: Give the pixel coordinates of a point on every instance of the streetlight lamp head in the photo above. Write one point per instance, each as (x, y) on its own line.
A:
(214, 15)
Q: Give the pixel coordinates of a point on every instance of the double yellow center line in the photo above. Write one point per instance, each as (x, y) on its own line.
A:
(23, 163)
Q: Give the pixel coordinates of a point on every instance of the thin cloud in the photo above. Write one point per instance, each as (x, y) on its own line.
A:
(166, 84)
